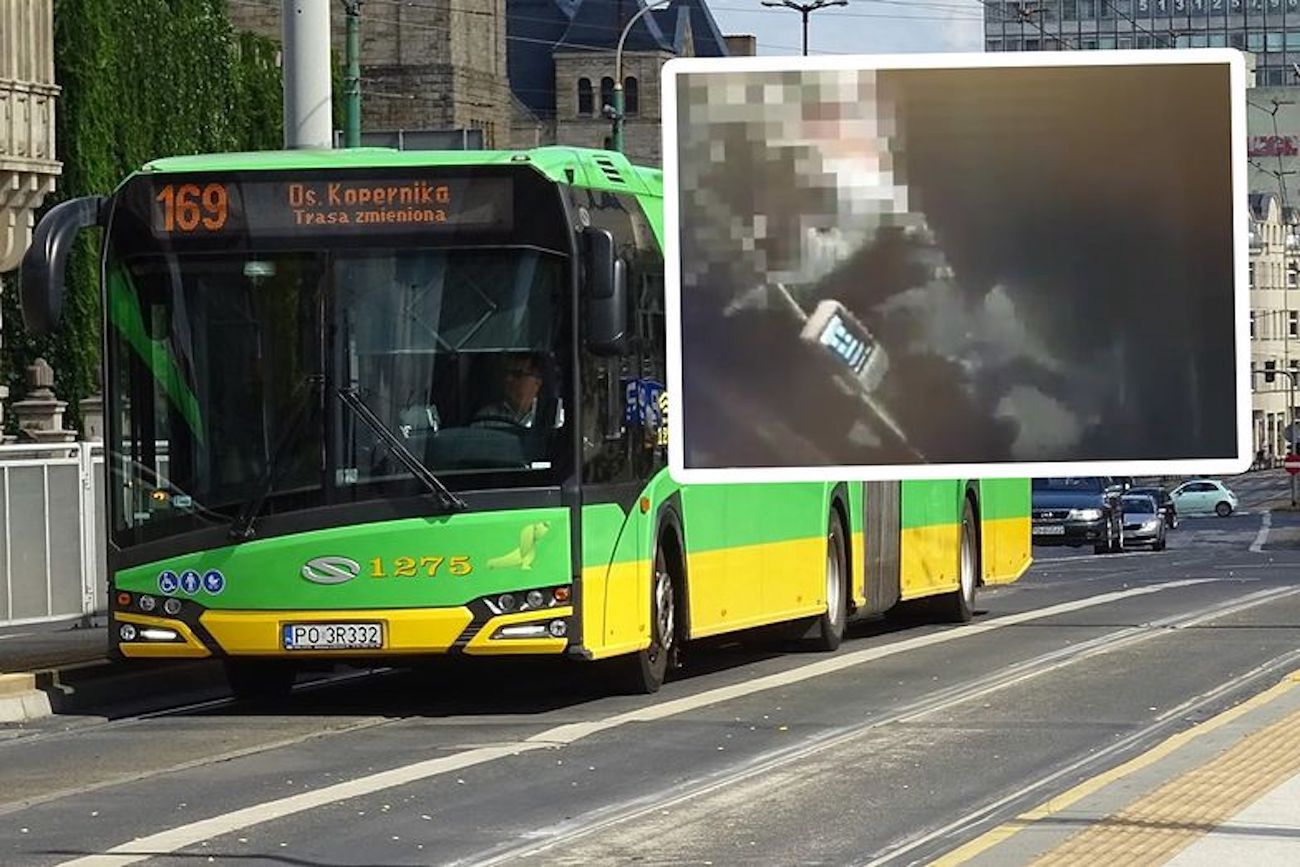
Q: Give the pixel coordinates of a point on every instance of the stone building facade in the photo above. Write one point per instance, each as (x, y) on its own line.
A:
(28, 168)
(1274, 320)
(438, 64)
(525, 72)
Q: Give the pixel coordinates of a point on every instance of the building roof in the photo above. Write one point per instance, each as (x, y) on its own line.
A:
(536, 29)
(1261, 205)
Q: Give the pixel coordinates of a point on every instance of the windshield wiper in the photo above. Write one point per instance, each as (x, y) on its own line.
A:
(242, 527)
(353, 401)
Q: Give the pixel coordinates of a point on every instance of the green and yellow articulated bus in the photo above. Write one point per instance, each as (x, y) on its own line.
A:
(370, 404)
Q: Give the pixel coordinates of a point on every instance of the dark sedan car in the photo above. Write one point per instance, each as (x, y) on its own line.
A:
(1163, 501)
(1077, 512)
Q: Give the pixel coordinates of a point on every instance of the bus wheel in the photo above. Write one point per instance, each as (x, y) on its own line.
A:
(959, 605)
(644, 671)
(259, 680)
(828, 631)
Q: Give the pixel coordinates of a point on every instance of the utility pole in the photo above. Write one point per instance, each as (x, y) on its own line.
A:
(352, 81)
(615, 112)
(305, 28)
(805, 9)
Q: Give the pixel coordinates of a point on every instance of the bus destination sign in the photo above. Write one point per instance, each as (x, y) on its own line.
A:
(197, 208)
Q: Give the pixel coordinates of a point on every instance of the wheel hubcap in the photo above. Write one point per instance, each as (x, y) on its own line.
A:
(665, 624)
(967, 566)
(833, 600)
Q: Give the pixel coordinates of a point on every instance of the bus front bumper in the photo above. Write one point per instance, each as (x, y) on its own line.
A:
(402, 632)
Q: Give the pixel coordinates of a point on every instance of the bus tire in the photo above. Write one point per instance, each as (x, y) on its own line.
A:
(259, 680)
(959, 605)
(643, 672)
(828, 630)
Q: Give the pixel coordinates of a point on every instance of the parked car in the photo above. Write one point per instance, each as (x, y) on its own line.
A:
(1204, 496)
(1164, 502)
(1076, 512)
(1143, 522)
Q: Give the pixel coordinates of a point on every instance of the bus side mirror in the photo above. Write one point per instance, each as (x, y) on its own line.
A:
(606, 287)
(46, 260)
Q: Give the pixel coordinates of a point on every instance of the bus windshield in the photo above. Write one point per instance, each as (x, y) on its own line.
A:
(227, 369)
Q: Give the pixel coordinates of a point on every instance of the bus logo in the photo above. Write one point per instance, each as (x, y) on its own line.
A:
(330, 570)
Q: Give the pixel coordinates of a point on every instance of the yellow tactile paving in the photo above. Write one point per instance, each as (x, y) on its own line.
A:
(1053, 807)
(1158, 825)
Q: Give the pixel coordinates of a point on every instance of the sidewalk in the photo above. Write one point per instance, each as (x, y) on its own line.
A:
(59, 668)
(1226, 791)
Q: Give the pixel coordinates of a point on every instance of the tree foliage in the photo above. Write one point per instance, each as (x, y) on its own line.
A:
(140, 79)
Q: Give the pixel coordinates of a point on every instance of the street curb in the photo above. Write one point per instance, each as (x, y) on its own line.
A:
(93, 685)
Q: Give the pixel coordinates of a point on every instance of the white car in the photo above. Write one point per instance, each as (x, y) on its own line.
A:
(1204, 496)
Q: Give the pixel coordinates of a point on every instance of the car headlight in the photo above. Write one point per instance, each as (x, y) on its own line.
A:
(1085, 514)
(1151, 525)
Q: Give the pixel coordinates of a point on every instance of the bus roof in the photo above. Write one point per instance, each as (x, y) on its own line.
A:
(583, 167)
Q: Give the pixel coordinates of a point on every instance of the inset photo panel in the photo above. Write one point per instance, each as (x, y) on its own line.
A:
(957, 265)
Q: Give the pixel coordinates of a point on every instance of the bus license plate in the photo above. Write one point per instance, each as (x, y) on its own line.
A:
(1049, 530)
(332, 636)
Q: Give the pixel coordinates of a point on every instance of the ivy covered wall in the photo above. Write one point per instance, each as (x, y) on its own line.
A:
(141, 79)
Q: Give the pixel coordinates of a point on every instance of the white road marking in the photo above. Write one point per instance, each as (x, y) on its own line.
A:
(183, 836)
(585, 826)
(1264, 524)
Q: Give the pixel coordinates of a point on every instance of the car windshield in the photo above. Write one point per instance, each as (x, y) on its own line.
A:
(1139, 505)
(1082, 485)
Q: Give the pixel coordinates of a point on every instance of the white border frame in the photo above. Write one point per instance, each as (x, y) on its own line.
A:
(1233, 59)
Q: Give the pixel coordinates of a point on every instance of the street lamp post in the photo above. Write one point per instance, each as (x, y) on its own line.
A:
(805, 9)
(352, 82)
(615, 112)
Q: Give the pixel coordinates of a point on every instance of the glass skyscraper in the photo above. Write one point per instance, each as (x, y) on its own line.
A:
(1268, 29)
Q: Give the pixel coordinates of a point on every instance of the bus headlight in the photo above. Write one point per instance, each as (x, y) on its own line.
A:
(127, 632)
(535, 599)
(172, 607)
(559, 628)
(148, 603)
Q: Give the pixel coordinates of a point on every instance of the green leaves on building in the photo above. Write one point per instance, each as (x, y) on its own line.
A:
(141, 79)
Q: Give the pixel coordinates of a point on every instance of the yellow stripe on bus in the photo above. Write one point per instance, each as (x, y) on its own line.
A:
(743, 586)
(1007, 551)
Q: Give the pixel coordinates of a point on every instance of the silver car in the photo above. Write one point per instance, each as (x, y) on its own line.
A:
(1144, 524)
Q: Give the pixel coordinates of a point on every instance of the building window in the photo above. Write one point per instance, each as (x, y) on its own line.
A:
(584, 96)
(1237, 39)
(631, 97)
(1218, 40)
(1291, 278)
(1293, 322)
(1068, 10)
(606, 92)
(993, 45)
(1251, 277)
(1255, 41)
(1252, 325)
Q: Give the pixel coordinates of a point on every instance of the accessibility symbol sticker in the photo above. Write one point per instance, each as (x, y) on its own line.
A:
(168, 582)
(213, 581)
(190, 581)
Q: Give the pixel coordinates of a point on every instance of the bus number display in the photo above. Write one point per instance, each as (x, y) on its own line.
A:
(312, 205)
(186, 207)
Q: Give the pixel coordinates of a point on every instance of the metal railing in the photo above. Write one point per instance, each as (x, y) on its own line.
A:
(52, 534)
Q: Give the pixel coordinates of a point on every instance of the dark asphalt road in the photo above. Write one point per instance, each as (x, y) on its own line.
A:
(903, 744)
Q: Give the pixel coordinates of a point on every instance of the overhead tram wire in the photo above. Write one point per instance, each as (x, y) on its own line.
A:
(1027, 16)
(1121, 13)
